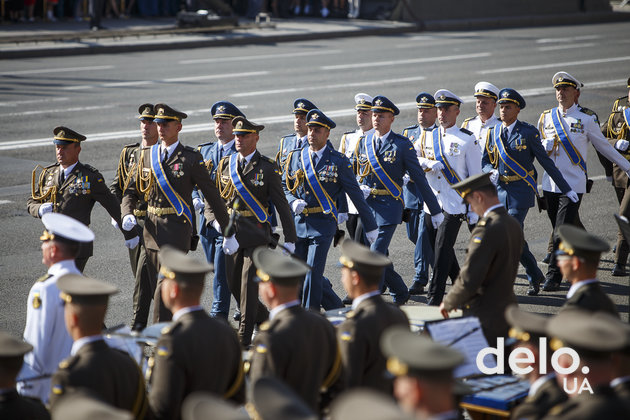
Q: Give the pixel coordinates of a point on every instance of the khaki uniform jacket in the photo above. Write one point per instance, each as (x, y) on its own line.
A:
(107, 373)
(602, 404)
(616, 128)
(485, 286)
(299, 347)
(16, 407)
(127, 164)
(536, 406)
(184, 170)
(591, 297)
(364, 364)
(262, 178)
(195, 353)
(83, 187)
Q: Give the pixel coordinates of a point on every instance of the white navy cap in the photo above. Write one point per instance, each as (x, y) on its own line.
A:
(562, 78)
(445, 97)
(363, 101)
(486, 89)
(61, 227)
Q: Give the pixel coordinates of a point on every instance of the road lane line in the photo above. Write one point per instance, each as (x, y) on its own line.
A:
(59, 70)
(56, 110)
(568, 39)
(566, 47)
(555, 65)
(32, 101)
(259, 57)
(407, 61)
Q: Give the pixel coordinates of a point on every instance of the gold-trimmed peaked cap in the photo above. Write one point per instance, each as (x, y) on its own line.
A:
(278, 268)
(60, 227)
(472, 183)
(274, 400)
(358, 257)
(425, 100)
(525, 326)
(83, 290)
(241, 125)
(578, 242)
(164, 113)
(64, 135)
(363, 101)
(302, 106)
(508, 95)
(181, 267)
(382, 104)
(562, 78)
(13, 347)
(444, 98)
(486, 89)
(147, 112)
(225, 110)
(317, 117)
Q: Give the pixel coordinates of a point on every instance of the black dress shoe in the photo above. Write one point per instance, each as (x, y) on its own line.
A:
(401, 302)
(619, 270)
(547, 259)
(551, 286)
(347, 300)
(236, 316)
(383, 289)
(416, 288)
(533, 288)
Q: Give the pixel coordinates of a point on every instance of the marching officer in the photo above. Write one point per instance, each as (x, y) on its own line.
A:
(127, 164)
(315, 178)
(296, 345)
(210, 232)
(107, 373)
(486, 95)
(195, 352)
(617, 130)
(297, 140)
(347, 145)
(359, 335)
(62, 240)
(509, 153)
(70, 187)
(448, 154)
(380, 161)
(566, 131)
(249, 182)
(165, 177)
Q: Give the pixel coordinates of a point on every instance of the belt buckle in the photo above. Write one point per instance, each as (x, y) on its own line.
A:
(305, 211)
(158, 211)
(373, 191)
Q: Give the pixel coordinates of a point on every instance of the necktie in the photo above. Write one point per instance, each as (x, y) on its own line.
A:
(62, 176)
(242, 162)
(504, 134)
(165, 157)
(220, 153)
(315, 159)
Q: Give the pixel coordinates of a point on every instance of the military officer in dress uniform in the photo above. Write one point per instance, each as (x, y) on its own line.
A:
(297, 140)
(347, 145)
(195, 352)
(617, 131)
(127, 164)
(61, 242)
(448, 154)
(423, 369)
(12, 405)
(70, 187)
(273, 400)
(509, 153)
(578, 258)
(621, 383)
(165, 177)
(94, 367)
(594, 338)
(359, 335)
(249, 182)
(380, 161)
(566, 131)
(315, 179)
(296, 345)
(485, 286)
(211, 237)
(486, 95)
(544, 391)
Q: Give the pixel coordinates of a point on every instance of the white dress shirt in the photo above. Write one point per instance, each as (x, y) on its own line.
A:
(349, 144)
(480, 129)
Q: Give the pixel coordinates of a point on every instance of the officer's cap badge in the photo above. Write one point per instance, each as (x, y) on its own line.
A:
(61, 133)
(301, 105)
(506, 94)
(424, 99)
(314, 116)
(560, 79)
(378, 102)
(362, 101)
(147, 110)
(160, 111)
(239, 124)
(442, 97)
(220, 109)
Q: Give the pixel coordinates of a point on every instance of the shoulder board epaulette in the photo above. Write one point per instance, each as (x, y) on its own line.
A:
(288, 135)
(546, 111)
(127, 146)
(268, 159)
(67, 363)
(190, 148)
(587, 111)
(52, 165)
(413, 127)
(90, 167)
(470, 119)
(265, 326)
(210, 143)
(44, 278)
(349, 132)
(481, 223)
(465, 131)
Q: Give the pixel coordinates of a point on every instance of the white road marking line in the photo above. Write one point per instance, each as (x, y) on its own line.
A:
(335, 86)
(59, 70)
(566, 47)
(32, 101)
(567, 39)
(5, 201)
(171, 80)
(556, 65)
(259, 57)
(408, 61)
(56, 110)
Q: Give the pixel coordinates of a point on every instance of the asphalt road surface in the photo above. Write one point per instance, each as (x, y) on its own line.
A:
(98, 95)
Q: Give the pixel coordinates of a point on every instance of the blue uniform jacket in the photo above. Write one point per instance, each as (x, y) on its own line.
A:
(397, 157)
(336, 177)
(287, 144)
(523, 146)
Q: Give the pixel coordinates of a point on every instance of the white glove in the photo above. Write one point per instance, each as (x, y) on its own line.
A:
(437, 219)
(435, 166)
(366, 191)
(198, 204)
(494, 176)
(548, 144)
(289, 247)
(274, 229)
(114, 223)
(217, 226)
(298, 205)
(628, 174)
(573, 196)
(128, 222)
(45, 208)
(472, 217)
(133, 242)
(406, 179)
(371, 236)
(622, 145)
(341, 218)
(230, 245)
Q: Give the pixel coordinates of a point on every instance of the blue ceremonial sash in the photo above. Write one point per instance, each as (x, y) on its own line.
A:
(311, 177)
(380, 173)
(180, 206)
(572, 152)
(251, 202)
(513, 165)
(626, 116)
(449, 173)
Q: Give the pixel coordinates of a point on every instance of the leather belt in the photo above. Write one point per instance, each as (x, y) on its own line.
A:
(513, 178)
(312, 210)
(140, 213)
(244, 213)
(161, 211)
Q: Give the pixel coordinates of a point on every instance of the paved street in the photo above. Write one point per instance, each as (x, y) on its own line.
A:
(98, 95)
